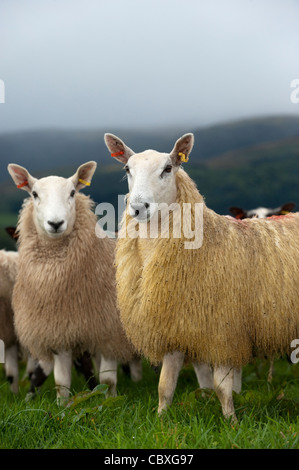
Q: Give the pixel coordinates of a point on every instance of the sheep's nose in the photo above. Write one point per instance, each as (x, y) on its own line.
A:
(139, 208)
(55, 225)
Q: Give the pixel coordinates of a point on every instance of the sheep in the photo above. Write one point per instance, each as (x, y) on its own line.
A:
(8, 273)
(262, 212)
(34, 370)
(64, 297)
(203, 301)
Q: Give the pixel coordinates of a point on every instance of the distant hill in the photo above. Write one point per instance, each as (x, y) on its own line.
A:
(246, 163)
(265, 175)
(264, 152)
(44, 150)
(218, 139)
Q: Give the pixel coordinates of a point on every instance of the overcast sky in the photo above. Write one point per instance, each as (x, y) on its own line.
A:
(145, 63)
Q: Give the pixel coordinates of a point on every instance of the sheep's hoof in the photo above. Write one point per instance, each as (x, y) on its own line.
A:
(14, 385)
(162, 410)
(62, 401)
(204, 393)
(111, 392)
(232, 420)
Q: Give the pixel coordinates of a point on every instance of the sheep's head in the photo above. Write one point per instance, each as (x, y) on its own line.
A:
(53, 197)
(262, 212)
(151, 174)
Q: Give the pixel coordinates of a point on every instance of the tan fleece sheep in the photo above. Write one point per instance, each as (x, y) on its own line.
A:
(216, 303)
(8, 273)
(262, 213)
(64, 297)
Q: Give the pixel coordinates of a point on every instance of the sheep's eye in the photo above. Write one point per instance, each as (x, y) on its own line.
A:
(34, 194)
(73, 193)
(127, 169)
(167, 169)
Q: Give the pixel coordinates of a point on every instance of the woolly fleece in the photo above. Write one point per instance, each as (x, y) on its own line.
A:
(237, 293)
(8, 273)
(65, 297)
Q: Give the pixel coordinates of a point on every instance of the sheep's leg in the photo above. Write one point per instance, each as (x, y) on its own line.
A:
(97, 363)
(62, 375)
(41, 371)
(12, 367)
(30, 367)
(136, 369)
(223, 384)
(237, 380)
(133, 369)
(84, 365)
(171, 366)
(108, 374)
(204, 375)
(270, 373)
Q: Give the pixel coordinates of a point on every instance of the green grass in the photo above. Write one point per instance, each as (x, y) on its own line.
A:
(268, 415)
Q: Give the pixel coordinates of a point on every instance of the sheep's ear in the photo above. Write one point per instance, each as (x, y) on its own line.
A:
(21, 177)
(238, 212)
(286, 208)
(12, 232)
(182, 149)
(83, 175)
(118, 148)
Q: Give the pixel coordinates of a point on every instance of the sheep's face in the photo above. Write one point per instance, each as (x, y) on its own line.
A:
(151, 181)
(151, 174)
(54, 198)
(54, 205)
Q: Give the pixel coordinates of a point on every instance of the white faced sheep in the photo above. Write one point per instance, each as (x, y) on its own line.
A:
(8, 273)
(64, 298)
(262, 212)
(202, 301)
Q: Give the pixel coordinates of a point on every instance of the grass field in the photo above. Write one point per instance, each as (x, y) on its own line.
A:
(268, 414)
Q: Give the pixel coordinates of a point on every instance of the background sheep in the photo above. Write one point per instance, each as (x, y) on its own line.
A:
(34, 370)
(8, 272)
(262, 212)
(203, 302)
(64, 297)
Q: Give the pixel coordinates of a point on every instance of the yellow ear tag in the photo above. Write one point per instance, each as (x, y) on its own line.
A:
(183, 157)
(87, 183)
(284, 212)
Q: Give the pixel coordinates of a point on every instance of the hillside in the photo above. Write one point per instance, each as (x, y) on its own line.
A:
(218, 139)
(247, 163)
(44, 150)
(267, 152)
